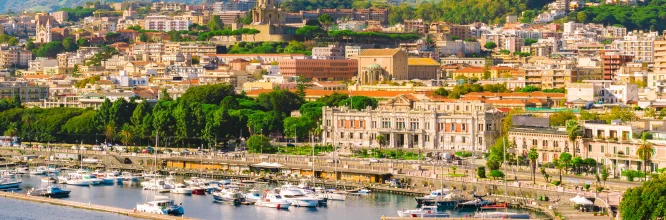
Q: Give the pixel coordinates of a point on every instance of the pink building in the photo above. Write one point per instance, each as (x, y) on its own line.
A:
(319, 69)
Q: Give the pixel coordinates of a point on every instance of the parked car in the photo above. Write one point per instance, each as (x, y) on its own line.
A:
(373, 160)
(291, 145)
(176, 153)
(97, 148)
(83, 148)
(74, 148)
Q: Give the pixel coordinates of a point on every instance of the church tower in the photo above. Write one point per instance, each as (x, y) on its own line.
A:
(267, 12)
(43, 33)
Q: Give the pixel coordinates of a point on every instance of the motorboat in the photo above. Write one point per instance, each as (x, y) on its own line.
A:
(48, 179)
(273, 200)
(7, 173)
(9, 182)
(198, 191)
(293, 194)
(322, 200)
(364, 191)
(53, 170)
(494, 206)
(502, 215)
(22, 170)
(41, 170)
(181, 189)
(49, 191)
(424, 212)
(161, 205)
(129, 176)
(229, 195)
(434, 195)
(252, 196)
(474, 203)
(82, 178)
(113, 176)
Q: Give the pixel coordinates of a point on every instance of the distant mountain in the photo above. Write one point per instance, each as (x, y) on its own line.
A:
(52, 5)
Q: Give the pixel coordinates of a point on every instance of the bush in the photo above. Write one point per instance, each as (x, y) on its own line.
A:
(557, 183)
(463, 154)
(587, 186)
(496, 174)
(481, 172)
(600, 188)
(631, 174)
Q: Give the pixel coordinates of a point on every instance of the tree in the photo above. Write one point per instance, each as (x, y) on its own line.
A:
(529, 89)
(257, 143)
(381, 140)
(143, 37)
(662, 113)
(649, 112)
(126, 135)
(326, 20)
(533, 155)
(441, 92)
(481, 172)
(495, 174)
(300, 86)
(164, 95)
(110, 132)
(490, 45)
(604, 174)
(645, 151)
(581, 17)
(215, 23)
(560, 118)
(253, 32)
(562, 163)
(576, 162)
(573, 132)
(13, 41)
(16, 101)
(645, 201)
(208, 94)
(12, 130)
(333, 99)
(309, 31)
(82, 42)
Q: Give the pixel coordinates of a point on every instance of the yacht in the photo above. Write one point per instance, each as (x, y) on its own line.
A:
(48, 179)
(229, 195)
(297, 198)
(331, 194)
(41, 170)
(424, 212)
(273, 200)
(474, 203)
(181, 189)
(502, 215)
(127, 176)
(444, 198)
(81, 178)
(49, 191)
(159, 185)
(161, 205)
(7, 173)
(22, 170)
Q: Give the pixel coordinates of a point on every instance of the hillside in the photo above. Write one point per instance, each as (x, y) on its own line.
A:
(52, 5)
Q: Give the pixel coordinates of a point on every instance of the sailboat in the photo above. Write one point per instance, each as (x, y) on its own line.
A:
(505, 214)
(51, 190)
(162, 205)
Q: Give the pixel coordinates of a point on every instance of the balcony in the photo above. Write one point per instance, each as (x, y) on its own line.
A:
(622, 156)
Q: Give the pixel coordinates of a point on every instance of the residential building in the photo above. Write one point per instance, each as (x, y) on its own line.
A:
(602, 92)
(331, 52)
(164, 23)
(27, 92)
(463, 60)
(59, 16)
(639, 45)
(612, 63)
(458, 47)
(223, 6)
(322, 70)
(15, 57)
(352, 52)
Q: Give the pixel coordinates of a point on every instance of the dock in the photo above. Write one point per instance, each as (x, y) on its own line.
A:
(93, 207)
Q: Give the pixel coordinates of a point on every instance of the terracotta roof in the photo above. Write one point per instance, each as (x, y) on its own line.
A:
(126, 30)
(506, 102)
(469, 70)
(41, 76)
(239, 60)
(379, 52)
(505, 110)
(422, 62)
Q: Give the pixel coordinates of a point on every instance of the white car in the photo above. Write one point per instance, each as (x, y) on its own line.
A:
(97, 148)
(83, 148)
(373, 160)
(175, 153)
(74, 148)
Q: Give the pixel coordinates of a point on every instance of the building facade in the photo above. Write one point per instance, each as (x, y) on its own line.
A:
(164, 23)
(322, 70)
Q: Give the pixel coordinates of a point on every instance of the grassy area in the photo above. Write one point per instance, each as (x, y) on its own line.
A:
(456, 175)
(305, 150)
(389, 154)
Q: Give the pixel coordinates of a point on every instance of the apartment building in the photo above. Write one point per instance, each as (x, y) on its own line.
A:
(234, 5)
(406, 122)
(613, 61)
(13, 57)
(331, 52)
(165, 23)
(602, 92)
(27, 91)
(322, 70)
(640, 45)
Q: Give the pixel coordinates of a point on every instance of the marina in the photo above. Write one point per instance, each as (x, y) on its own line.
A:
(125, 198)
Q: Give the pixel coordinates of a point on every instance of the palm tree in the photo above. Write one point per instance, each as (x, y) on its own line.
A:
(110, 131)
(560, 165)
(645, 151)
(573, 131)
(533, 155)
(126, 135)
(381, 140)
(11, 130)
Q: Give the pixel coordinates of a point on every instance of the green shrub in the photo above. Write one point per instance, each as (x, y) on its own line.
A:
(587, 186)
(463, 154)
(557, 182)
(496, 174)
(481, 172)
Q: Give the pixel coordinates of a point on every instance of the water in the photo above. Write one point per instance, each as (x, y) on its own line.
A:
(13, 209)
(371, 206)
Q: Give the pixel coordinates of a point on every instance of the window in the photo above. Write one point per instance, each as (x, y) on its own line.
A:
(464, 127)
(463, 139)
(360, 135)
(453, 127)
(452, 139)
(374, 124)
(602, 149)
(614, 150)
(628, 152)
(589, 148)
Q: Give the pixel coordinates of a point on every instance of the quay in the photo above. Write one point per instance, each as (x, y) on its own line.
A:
(93, 207)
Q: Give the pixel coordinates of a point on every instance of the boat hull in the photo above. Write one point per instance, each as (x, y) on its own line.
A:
(277, 205)
(230, 200)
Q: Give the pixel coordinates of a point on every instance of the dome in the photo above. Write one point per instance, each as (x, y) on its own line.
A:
(374, 66)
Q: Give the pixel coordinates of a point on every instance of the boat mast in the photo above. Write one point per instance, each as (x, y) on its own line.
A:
(313, 160)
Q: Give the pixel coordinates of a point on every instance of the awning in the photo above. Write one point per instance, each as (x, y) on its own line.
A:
(581, 200)
(268, 165)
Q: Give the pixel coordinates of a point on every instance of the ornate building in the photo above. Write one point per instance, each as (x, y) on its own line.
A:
(372, 74)
(270, 20)
(43, 29)
(267, 12)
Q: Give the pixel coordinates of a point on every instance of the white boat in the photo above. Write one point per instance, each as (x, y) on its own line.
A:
(293, 194)
(127, 176)
(113, 176)
(48, 179)
(364, 191)
(424, 212)
(7, 173)
(9, 182)
(502, 215)
(228, 195)
(82, 178)
(252, 196)
(335, 196)
(53, 170)
(181, 189)
(41, 170)
(273, 200)
(22, 170)
(162, 205)
(159, 185)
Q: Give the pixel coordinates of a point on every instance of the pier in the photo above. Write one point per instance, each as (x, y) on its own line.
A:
(93, 207)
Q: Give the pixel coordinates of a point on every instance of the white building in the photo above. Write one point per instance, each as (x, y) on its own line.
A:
(124, 80)
(164, 23)
(602, 92)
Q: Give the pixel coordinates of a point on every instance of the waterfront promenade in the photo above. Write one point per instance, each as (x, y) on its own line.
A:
(93, 207)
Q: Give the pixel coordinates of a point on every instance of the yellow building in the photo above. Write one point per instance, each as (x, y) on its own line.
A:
(495, 72)
(422, 68)
(375, 65)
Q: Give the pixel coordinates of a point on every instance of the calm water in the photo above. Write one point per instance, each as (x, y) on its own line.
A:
(17, 209)
(371, 206)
